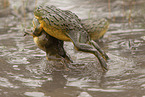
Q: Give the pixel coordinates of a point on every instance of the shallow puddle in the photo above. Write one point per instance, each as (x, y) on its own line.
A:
(25, 72)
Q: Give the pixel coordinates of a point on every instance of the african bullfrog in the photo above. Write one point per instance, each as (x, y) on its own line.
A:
(52, 46)
(66, 26)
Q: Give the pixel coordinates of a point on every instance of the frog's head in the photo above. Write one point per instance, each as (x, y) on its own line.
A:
(39, 12)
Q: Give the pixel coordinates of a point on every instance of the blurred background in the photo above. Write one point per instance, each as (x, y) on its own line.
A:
(25, 72)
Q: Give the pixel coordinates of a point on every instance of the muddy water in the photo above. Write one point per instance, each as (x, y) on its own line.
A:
(25, 72)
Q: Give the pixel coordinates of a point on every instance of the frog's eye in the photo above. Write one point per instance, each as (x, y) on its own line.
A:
(40, 7)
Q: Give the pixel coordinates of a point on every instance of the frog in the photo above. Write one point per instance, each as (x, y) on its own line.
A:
(52, 46)
(67, 26)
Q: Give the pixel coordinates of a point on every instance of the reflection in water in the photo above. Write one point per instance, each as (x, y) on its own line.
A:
(64, 83)
(58, 81)
(5, 83)
(56, 86)
(34, 94)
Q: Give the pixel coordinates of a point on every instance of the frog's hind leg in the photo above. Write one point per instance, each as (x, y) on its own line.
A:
(83, 46)
(99, 49)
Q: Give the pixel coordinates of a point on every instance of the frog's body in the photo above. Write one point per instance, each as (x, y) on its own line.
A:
(66, 26)
(52, 46)
(96, 28)
(58, 33)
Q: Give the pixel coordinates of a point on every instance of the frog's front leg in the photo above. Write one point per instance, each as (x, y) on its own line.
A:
(27, 32)
(38, 30)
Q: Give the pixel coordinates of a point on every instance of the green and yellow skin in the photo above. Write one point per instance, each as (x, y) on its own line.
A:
(96, 28)
(66, 26)
(52, 46)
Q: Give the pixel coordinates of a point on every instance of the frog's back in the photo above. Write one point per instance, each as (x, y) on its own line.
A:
(57, 22)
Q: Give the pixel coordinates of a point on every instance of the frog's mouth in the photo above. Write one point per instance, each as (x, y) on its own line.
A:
(37, 17)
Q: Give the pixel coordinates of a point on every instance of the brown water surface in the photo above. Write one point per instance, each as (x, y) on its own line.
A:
(25, 72)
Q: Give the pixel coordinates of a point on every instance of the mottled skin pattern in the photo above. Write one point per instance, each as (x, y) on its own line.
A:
(52, 46)
(66, 26)
(96, 28)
